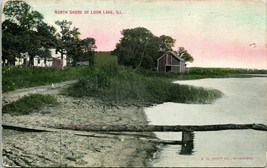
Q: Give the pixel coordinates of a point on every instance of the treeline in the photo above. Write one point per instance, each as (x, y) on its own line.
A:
(25, 34)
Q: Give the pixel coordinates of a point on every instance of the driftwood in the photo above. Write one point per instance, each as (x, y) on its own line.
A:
(162, 128)
(91, 134)
(141, 128)
(105, 131)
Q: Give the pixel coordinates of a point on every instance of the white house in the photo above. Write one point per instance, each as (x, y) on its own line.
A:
(41, 62)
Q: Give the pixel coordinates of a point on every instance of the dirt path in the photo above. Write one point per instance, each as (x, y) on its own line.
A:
(67, 149)
(46, 89)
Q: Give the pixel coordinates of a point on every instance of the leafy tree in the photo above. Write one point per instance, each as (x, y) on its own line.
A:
(165, 44)
(140, 48)
(88, 47)
(69, 43)
(11, 47)
(182, 52)
(137, 48)
(67, 40)
(23, 32)
(21, 13)
(46, 35)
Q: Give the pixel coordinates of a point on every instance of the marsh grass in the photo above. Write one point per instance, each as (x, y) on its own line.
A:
(29, 104)
(120, 84)
(200, 73)
(224, 71)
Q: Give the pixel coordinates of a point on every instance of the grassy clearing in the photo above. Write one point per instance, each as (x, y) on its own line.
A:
(119, 84)
(29, 104)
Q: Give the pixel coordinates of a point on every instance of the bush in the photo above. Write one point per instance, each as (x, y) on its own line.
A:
(29, 104)
(117, 83)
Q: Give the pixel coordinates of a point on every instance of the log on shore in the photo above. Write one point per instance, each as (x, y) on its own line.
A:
(141, 128)
(162, 128)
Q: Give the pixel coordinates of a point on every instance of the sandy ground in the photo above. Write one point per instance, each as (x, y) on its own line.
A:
(55, 149)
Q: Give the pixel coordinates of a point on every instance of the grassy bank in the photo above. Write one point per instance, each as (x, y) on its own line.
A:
(29, 104)
(200, 73)
(23, 77)
(119, 84)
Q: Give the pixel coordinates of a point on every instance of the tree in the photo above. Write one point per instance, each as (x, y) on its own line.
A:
(67, 40)
(21, 13)
(22, 32)
(69, 43)
(46, 35)
(88, 47)
(137, 48)
(182, 52)
(11, 41)
(165, 44)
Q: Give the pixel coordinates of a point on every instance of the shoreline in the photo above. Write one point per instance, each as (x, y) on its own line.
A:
(66, 149)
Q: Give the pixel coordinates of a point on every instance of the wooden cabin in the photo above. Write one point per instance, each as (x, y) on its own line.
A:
(171, 62)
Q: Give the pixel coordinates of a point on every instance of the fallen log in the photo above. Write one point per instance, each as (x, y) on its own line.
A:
(142, 128)
(162, 128)
(91, 134)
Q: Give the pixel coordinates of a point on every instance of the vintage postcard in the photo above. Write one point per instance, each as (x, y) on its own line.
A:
(134, 83)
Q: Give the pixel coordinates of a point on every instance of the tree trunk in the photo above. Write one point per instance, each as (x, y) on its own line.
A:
(31, 61)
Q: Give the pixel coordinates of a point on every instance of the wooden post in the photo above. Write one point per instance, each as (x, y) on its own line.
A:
(187, 143)
(187, 136)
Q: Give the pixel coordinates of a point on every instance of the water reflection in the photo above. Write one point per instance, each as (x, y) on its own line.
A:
(187, 143)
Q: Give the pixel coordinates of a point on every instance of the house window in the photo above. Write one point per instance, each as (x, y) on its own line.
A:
(38, 61)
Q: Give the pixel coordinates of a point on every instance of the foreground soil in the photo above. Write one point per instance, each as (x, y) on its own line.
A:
(54, 149)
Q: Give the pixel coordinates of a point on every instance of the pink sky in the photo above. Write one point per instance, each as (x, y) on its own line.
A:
(217, 33)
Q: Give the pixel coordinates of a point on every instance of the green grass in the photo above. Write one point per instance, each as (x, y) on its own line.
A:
(120, 84)
(24, 77)
(109, 81)
(29, 104)
(200, 73)
(224, 71)
(104, 58)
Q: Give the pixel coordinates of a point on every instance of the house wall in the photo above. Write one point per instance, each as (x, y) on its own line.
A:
(168, 59)
(40, 62)
(175, 69)
(162, 64)
(175, 61)
(19, 61)
(55, 54)
(183, 67)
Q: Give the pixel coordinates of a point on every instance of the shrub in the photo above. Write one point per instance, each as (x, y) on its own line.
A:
(29, 104)
(116, 83)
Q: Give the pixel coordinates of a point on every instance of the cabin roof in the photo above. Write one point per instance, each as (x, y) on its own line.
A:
(174, 54)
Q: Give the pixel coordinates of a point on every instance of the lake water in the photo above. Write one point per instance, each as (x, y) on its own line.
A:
(243, 102)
